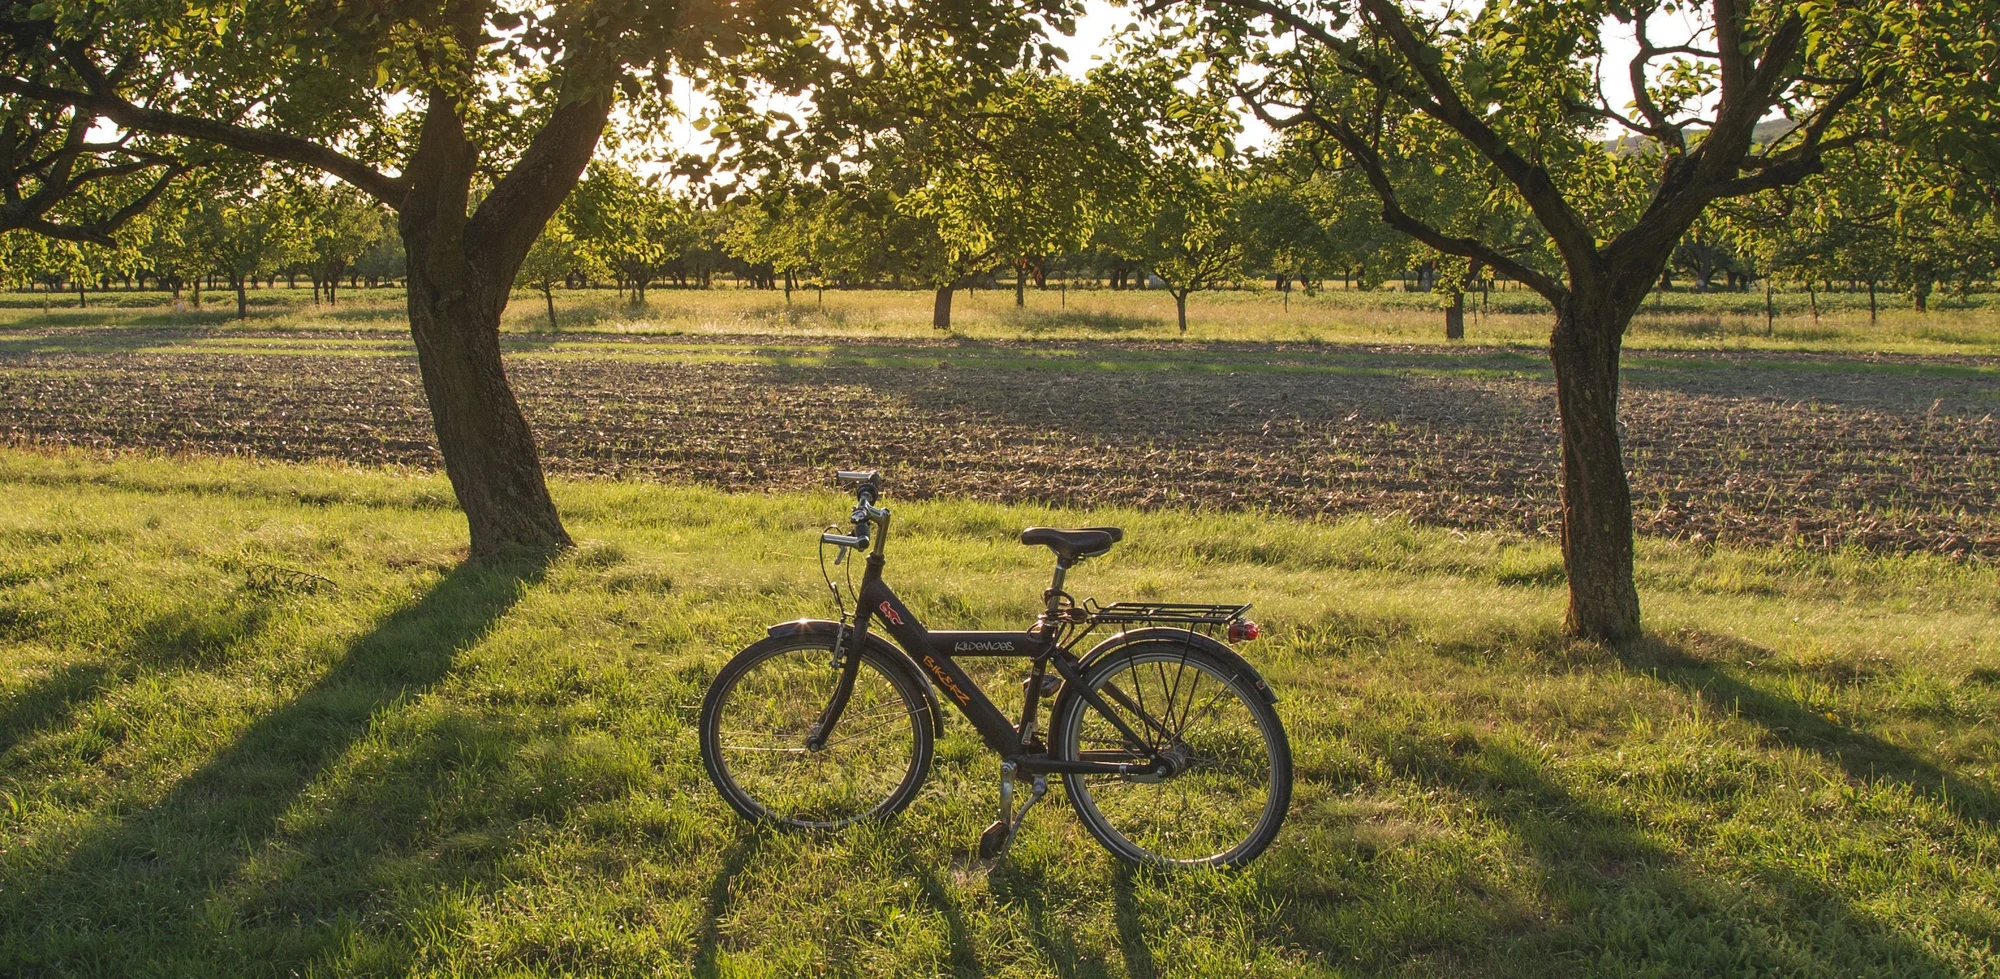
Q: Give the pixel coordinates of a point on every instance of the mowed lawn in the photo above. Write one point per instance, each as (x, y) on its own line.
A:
(262, 720)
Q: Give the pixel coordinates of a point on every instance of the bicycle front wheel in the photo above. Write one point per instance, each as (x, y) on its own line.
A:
(764, 703)
(1230, 778)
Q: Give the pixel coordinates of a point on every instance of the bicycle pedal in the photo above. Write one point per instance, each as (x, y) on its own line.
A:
(995, 840)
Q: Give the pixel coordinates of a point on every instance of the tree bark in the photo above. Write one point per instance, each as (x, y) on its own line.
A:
(1454, 317)
(1020, 284)
(941, 308)
(489, 454)
(242, 302)
(1596, 497)
(549, 296)
(460, 274)
(1180, 307)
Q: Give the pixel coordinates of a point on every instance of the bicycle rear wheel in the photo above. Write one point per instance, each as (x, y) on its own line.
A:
(765, 701)
(1232, 779)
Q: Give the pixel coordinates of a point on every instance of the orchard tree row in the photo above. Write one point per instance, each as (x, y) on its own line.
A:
(936, 141)
(1119, 177)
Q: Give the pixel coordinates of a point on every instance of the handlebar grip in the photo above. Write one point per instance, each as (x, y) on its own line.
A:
(852, 476)
(843, 540)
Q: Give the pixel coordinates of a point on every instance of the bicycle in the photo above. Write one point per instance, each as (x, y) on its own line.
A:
(823, 723)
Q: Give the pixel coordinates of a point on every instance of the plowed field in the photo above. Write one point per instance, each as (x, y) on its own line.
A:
(1887, 453)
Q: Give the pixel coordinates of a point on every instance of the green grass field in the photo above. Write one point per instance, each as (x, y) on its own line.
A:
(262, 720)
(1513, 318)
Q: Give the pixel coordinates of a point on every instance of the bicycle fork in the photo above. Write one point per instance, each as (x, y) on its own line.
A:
(848, 662)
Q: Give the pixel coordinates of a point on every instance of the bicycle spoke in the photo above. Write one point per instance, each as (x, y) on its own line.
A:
(765, 717)
(1221, 788)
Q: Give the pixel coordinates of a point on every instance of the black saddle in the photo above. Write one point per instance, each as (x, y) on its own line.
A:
(1072, 546)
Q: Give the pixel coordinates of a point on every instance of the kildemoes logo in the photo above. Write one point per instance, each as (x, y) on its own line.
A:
(982, 647)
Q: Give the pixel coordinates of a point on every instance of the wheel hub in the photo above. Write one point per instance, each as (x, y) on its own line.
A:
(1167, 763)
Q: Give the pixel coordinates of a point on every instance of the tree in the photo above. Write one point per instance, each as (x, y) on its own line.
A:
(1515, 88)
(1285, 235)
(1194, 238)
(632, 225)
(337, 225)
(472, 120)
(557, 254)
(237, 228)
(961, 172)
(169, 244)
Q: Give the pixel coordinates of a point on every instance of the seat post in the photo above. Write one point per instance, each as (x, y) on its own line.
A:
(1055, 586)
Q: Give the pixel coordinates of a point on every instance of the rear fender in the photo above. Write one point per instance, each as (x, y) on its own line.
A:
(832, 629)
(1168, 634)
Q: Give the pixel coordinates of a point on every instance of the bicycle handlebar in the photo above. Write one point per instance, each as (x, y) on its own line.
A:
(867, 490)
(868, 486)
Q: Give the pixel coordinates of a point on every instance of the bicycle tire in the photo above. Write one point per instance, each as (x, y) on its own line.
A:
(1203, 816)
(781, 781)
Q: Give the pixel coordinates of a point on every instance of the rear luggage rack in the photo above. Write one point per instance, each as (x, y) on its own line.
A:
(1174, 613)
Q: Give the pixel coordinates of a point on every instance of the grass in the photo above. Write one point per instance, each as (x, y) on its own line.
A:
(263, 720)
(1514, 319)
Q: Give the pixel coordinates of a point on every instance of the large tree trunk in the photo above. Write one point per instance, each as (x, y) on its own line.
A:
(459, 278)
(489, 454)
(1596, 498)
(1454, 317)
(941, 308)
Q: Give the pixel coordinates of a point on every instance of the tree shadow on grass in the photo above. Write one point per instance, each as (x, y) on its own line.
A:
(134, 891)
(46, 703)
(1055, 934)
(1025, 887)
(1625, 903)
(1863, 756)
(931, 886)
(707, 962)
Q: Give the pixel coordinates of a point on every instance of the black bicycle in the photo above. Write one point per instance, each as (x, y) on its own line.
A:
(1165, 738)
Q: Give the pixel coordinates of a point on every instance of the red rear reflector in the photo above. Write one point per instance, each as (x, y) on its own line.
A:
(1244, 630)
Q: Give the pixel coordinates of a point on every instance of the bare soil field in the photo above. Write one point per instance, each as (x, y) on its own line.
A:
(1885, 452)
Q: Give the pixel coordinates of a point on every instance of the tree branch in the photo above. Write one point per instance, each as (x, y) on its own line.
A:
(504, 227)
(262, 142)
(1571, 235)
(1393, 214)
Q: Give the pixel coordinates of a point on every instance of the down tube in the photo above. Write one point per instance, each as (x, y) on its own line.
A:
(951, 679)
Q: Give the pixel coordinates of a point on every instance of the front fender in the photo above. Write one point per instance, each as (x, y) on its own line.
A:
(1208, 644)
(831, 629)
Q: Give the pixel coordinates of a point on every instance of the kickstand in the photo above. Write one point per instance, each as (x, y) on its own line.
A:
(1000, 834)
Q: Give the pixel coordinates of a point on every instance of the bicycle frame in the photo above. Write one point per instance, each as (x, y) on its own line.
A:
(935, 653)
